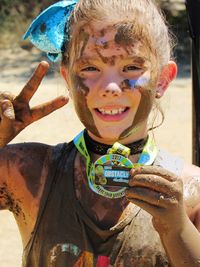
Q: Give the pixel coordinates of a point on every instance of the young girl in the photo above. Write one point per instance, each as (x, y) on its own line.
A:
(95, 202)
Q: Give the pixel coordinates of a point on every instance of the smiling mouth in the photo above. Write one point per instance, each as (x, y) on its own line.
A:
(111, 112)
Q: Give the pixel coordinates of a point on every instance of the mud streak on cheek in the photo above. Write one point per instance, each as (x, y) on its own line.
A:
(128, 85)
(131, 84)
(80, 93)
(142, 113)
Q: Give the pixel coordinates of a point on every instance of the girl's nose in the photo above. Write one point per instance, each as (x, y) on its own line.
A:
(112, 89)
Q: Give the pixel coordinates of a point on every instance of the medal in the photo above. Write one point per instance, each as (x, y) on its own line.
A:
(113, 169)
(109, 175)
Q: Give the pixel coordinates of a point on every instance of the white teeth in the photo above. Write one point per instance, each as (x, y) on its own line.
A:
(111, 111)
(114, 111)
(121, 110)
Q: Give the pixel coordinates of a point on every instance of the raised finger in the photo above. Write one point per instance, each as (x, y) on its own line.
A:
(153, 210)
(155, 170)
(150, 196)
(32, 85)
(43, 110)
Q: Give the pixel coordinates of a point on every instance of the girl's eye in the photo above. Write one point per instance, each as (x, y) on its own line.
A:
(90, 69)
(131, 68)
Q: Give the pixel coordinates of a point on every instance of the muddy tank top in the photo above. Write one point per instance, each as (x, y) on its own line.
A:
(64, 236)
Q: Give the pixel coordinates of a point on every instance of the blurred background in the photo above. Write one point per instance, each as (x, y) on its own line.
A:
(15, 15)
(19, 59)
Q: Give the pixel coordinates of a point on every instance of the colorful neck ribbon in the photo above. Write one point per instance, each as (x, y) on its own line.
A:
(102, 149)
(118, 154)
(49, 30)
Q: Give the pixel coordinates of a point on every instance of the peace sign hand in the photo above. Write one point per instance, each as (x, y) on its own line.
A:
(15, 112)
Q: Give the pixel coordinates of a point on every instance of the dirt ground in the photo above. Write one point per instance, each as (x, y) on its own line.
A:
(174, 135)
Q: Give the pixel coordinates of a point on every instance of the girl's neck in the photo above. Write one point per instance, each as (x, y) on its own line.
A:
(142, 133)
(134, 137)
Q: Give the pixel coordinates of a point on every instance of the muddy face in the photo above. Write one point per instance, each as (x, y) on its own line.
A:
(110, 82)
(80, 102)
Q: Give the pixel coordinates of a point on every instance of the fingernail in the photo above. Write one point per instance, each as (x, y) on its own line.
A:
(64, 98)
(9, 114)
(4, 105)
(7, 110)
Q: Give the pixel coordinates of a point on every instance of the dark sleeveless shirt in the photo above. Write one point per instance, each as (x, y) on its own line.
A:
(64, 236)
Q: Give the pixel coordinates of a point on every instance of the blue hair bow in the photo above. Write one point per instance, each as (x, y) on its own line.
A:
(47, 31)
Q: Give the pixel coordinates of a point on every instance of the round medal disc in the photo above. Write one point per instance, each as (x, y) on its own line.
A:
(117, 164)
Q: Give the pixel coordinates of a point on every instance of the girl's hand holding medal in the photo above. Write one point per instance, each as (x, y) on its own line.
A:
(160, 193)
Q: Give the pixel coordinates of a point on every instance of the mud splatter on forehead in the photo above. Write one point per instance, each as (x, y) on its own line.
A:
(107, 60)
(124, 35)
(96, 39)
(102, 32)
(105, 45)
(88, 37)
(84, 37)
(79, 43)
(99, 38)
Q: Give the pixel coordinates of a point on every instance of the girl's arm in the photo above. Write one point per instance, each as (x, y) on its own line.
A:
(183, 246)
(23, 172)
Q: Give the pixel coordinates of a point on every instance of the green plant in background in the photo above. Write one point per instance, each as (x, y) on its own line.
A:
(15, 15)
(25, 8)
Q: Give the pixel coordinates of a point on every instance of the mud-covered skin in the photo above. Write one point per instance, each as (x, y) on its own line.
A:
(160, 193)
(23, 172)
(141, 114)
(8, 201)
(93, 46)
(19, 194)
(80, 103)
(169, 185)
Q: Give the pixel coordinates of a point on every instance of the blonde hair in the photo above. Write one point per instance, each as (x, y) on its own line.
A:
(141, 19)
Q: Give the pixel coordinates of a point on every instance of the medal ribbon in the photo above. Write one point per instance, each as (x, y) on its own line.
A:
(147, 157)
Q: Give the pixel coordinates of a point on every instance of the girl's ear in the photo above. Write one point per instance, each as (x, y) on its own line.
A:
(167, 75)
